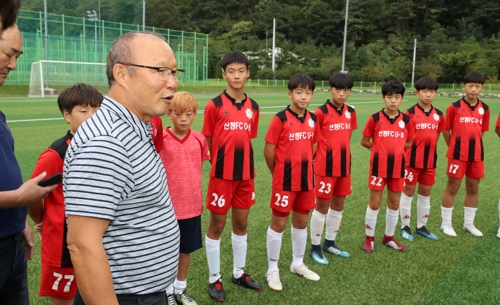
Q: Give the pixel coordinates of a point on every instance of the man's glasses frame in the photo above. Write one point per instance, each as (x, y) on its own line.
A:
(163, 72)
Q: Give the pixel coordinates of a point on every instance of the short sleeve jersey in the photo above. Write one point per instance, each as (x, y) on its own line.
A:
(294, 138)
(185, 185)
(389, 136)
(467, 124)
(333, 156)
(54, 247)
(498, 121)
(426, 127)
(232, 126)
(157, 133)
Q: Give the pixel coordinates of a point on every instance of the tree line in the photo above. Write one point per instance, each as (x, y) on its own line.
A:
(453, 37)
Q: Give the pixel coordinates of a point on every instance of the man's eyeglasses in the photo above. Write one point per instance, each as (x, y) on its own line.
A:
(164, 73)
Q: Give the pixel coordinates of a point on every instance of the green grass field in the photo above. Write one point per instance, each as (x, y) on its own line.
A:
(461, 270)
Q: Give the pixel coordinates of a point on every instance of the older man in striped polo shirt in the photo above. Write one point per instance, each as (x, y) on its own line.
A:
(122, 232)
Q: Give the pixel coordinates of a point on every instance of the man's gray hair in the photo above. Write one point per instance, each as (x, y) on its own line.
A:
(119, 51)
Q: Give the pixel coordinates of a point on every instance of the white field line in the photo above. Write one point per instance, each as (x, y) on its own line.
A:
(199, 112)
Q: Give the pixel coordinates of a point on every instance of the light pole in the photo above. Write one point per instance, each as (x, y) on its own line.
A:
(46, 43)
(345, 36)
(94, 17)
(143, 15)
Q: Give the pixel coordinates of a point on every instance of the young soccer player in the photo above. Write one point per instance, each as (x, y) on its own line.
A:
(290, 145)
(466, 121)
(390, 132)
(77, 104)
(332, 166)
(428, 123)
(497, 131)
(189, 149)
(230, 122)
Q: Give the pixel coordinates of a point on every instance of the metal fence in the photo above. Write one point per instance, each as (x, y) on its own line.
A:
(80, 39)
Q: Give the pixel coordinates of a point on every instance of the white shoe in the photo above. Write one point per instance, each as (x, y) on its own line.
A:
(448, 230)
(498, 233)
(305, 272)
(273, 280)
(472, 230)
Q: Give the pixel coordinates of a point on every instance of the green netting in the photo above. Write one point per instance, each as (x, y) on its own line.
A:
(84, 40)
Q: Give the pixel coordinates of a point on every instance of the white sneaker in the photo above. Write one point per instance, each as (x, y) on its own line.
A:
(498, 233)
(273, 280)
(472, 230)
(305, 272)
(448, 230)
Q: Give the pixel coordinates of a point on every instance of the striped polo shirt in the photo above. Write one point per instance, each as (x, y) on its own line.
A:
(112, 171)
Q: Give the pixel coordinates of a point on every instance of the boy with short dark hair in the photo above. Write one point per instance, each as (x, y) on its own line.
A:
(290, 145)
(466, 121)
(77, 104)
(230, 123)
(332, 166)
(428, 123)
(184, 147)
(390, 132)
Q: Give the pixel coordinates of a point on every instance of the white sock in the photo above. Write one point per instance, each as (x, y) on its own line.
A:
(239, 254)
(170, 289)
(405, 210)
(212, 248)
(179, 286)
(469, 215)
(423, 210)
(446, 215)
(299, 240)
(333, 220)
(391, 221)
(273, 243)
(317, 223)
(370, 221)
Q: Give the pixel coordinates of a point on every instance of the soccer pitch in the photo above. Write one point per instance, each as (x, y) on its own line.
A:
(460, 270)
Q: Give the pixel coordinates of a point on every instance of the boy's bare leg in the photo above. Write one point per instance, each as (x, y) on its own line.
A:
(54, 301)
(471, 200)
(447, 203)
(184, 259)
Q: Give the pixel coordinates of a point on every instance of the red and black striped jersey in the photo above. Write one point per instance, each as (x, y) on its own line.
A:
(467, 124)
(232, 126)
(54, 247)
(426, 127)
(389, 136)
(294, 138)
(333, 155)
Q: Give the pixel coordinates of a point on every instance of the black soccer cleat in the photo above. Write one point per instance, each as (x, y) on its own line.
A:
(216, 291)
(246, 281)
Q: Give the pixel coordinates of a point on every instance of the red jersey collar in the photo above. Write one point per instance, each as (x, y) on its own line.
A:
(470, 106)
(390, 119)
(426, 113)
(176, 138)
(329, 103)
(301, 119)
(239, 105)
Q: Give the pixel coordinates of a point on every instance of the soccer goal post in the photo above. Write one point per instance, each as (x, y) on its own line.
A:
(48, 76)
